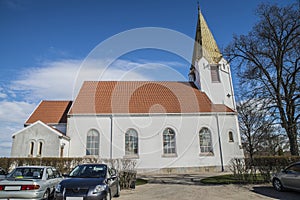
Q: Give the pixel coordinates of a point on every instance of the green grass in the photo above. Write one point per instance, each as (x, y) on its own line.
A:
(230, 179)
(140, 181)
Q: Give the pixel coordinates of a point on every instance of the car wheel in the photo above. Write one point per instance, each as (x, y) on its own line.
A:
(46, 195)
(277, 185)
(118, 191)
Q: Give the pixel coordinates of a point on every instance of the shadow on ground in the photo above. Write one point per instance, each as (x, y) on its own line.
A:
(269, 191)
(183, 179)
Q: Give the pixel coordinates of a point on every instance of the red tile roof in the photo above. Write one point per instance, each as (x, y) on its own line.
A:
(107, 97)
(50, 112)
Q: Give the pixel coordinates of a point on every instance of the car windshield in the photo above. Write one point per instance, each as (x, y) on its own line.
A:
(89, 171)
(26, 173)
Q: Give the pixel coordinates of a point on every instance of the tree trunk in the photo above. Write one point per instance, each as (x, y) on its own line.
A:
(292, 134)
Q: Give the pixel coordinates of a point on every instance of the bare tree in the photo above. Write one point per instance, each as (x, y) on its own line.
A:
(268, 63)
(257, 128)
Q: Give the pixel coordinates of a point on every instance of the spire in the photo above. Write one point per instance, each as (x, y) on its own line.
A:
(205, 44)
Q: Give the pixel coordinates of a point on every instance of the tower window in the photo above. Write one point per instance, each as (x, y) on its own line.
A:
(214, 72)
(230, 135)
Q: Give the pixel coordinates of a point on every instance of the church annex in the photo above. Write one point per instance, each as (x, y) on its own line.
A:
(184, 126)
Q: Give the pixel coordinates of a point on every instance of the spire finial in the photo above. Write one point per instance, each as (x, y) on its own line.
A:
(199, 10)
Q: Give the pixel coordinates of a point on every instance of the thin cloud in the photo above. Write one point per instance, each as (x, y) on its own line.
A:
(12, 117)
(15, 111)
(63, 79)
(15, 4)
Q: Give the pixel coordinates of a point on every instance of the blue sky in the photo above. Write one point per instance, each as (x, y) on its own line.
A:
(44, 43)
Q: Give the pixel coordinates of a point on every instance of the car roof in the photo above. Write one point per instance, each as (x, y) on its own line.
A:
(34, 166)
(93, 164)
(298, 162)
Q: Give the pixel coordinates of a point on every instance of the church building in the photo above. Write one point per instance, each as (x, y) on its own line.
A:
(162, 125)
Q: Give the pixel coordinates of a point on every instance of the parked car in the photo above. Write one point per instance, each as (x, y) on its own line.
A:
(89, 181)
(2, 173)
(30, 182)
(289, 178)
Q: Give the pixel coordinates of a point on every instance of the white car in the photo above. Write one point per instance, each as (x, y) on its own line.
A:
(30, 182)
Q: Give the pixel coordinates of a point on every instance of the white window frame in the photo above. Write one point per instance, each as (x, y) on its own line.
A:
(169, 142)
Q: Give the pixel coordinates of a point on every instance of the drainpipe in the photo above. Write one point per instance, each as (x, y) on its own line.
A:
(220, 146)
(111, 135)
(232, 91)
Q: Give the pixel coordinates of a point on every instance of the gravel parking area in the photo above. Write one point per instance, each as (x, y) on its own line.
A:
(196, 192)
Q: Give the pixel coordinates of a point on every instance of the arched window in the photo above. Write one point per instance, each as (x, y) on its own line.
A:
(230, 135)
(205, 141)
(92, 143)
(131, 142)
(169, 141)
(31, 148)
(40, 148)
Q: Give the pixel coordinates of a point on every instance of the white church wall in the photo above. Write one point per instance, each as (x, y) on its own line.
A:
(36, 133)
(150, 132)
(150, 138)
(79, 126)
(232, 148)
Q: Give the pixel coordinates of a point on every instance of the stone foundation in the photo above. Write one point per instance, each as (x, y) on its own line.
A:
(182, 170)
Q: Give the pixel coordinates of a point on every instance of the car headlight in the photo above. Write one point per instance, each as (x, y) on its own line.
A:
(58, 188)
(99, 188)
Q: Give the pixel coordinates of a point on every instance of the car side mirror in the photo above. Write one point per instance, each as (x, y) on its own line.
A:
(65, 175)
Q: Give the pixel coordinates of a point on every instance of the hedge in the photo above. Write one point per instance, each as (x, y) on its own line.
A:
(272, 163)
(247, 169)
(125, 167)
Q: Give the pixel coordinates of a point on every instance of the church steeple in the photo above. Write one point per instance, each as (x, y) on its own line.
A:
(209, 71)
(205, 44)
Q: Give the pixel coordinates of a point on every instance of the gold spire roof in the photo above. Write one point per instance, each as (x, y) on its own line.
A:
(205, 44)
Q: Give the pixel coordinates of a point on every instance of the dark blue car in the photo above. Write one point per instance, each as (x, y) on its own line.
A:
(89, 182)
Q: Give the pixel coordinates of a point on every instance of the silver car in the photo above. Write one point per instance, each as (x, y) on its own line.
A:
(30, 182)
(289, 178)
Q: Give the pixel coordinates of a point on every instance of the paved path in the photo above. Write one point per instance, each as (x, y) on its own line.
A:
(204, 192)
(189, 187)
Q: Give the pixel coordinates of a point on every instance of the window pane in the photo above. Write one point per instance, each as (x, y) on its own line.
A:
(131, 142)
(92, 143)
(214, 72)
(205, 141)
(169, 144)
(230, 134)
